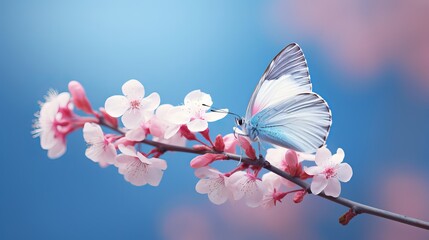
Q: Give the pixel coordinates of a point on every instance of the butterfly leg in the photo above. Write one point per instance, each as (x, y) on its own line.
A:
(259, 147)
(237, 136)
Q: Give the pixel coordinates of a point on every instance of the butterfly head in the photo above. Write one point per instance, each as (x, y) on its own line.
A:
(239, 121)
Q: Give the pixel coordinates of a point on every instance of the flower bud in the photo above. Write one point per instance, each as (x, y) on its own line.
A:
(206, 159)
(219, 144)
(292, 163)
(186, 133)
(230, 142)
(79, 97)
(299, 196)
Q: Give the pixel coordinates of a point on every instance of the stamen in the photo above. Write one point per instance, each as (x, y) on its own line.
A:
(135, 104)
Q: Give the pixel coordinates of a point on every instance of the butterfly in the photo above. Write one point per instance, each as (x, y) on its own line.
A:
(283, 109)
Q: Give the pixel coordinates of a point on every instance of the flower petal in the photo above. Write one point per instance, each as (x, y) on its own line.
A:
(158, 163)
(197, 125)
(219, 195)
(116, 105)
(322, 156)
(92, 133)
(203, 186)
(313, 170)
(214, 116)
(199, 98)
(344, 172)
(338, 157)
(171, 130)
(63, 99)
(109, 154)
(333, 188)
(132, 118)
(272, 180)
(206, 172)
(133, 89)
(127, 150)
(276, 156)
(162, 112)
(154, 176)
(47, 139)
(254, 194)
(230, 143)
(135, 173)
(137, 134)
(93, 152)
(318, 184)
(122, 160)
(57, 150)
(151, 102)
(179, 115)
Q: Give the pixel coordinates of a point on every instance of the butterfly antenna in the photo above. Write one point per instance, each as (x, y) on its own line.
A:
(221, 110)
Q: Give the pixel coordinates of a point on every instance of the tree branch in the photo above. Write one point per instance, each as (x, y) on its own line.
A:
(357, 208)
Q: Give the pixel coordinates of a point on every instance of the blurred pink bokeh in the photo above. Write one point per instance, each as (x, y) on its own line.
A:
(237, 221)
(403, 191)
(361, 37)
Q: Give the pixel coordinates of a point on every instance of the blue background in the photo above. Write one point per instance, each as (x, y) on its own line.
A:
(220, 47)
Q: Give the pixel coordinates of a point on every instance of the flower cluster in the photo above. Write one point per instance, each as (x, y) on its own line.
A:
(166, 127)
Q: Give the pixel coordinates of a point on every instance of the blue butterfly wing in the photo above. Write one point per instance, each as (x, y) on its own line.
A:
(286, 76)
(300, 123)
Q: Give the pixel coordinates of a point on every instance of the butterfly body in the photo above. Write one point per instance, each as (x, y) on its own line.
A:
(283, 110)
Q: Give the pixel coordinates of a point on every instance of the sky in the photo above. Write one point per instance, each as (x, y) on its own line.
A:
(368, 59)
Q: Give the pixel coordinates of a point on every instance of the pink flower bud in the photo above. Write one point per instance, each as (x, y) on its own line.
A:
(299, 196)
(248, 149)
(186, 133)
(79, 97)
(292, 163)
(111, 121)
(230, 142)
(206, 159)
(219, 144)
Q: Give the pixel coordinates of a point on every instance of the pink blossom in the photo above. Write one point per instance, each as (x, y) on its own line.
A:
(329, 172)
(158, 126)
(230, 142)
(100, 149)
(133, 107)
(219, 144)
(138, 169)
(79, 97)
(194, 112)
(272, 193)
(54, 122)
(246, 186)
(213, 184)
(205, 159)
(299, 196)
(288, 161)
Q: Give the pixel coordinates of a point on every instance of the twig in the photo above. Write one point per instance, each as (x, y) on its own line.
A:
(357, 208)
